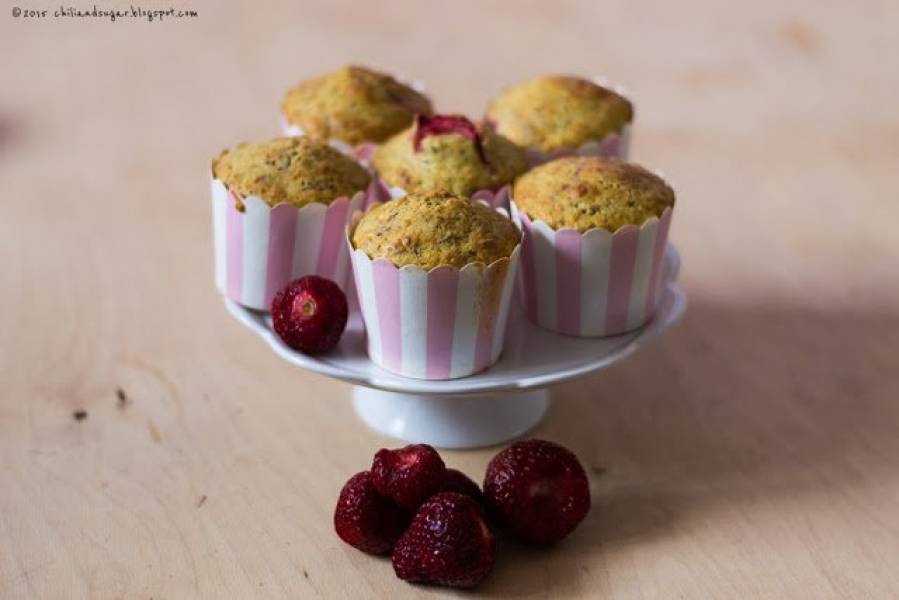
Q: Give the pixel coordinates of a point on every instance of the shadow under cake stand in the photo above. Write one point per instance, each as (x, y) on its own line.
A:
(490, 407)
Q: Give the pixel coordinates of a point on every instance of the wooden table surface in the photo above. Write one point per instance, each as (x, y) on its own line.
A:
(753, 452)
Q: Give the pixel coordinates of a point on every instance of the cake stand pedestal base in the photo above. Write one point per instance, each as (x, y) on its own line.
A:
(451, 421)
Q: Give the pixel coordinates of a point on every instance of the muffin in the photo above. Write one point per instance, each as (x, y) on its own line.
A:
(295, 171)
(280, 209)
(582, 193)
(594, 239)
(434, 273)
(448, 153)
(555, 115)
(431, 229)
(353, 105)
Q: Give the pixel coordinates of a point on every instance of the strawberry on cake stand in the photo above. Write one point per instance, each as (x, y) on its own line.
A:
(487, 408)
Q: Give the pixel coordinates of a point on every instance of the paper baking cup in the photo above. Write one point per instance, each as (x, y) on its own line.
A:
(261, 249)
(439, 324)
(498, 199)
(595, 283)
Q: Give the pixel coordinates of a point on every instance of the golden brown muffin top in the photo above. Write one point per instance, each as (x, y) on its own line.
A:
(353, 104)
(431, 229)
(552, 112)
(296, 170)
(449, 152)
(583, 192)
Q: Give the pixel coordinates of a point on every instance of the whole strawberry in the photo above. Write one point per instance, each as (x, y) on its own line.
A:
(447, 543)
(457, 481)
(310, 314)
(366, 520)
(537, 490)
(408, 475)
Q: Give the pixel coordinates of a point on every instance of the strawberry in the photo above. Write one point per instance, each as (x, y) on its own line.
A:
(457, 481)
(310, 314)
(448, 543)
(537, 490)
(408, 475)
(366, 520)
(426, 126)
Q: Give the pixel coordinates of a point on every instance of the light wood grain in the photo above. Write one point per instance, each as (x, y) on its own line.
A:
(751, 453)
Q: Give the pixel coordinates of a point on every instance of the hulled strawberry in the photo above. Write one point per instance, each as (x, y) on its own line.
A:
(310, 314)
(408, 475)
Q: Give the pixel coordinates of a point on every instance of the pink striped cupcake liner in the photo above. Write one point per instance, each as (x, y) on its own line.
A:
(591, 284)
(261, 249)
(444, 323)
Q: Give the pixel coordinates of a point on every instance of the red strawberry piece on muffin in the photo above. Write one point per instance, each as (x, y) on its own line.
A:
(426, 126)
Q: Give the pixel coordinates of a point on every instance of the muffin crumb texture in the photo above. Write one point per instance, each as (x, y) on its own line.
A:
(555, 112)
(297, 171)
(353, 104)
(583, 193)
(434, 229)
(454, 161)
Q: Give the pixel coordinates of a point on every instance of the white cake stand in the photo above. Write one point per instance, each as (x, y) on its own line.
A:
(496, 405)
